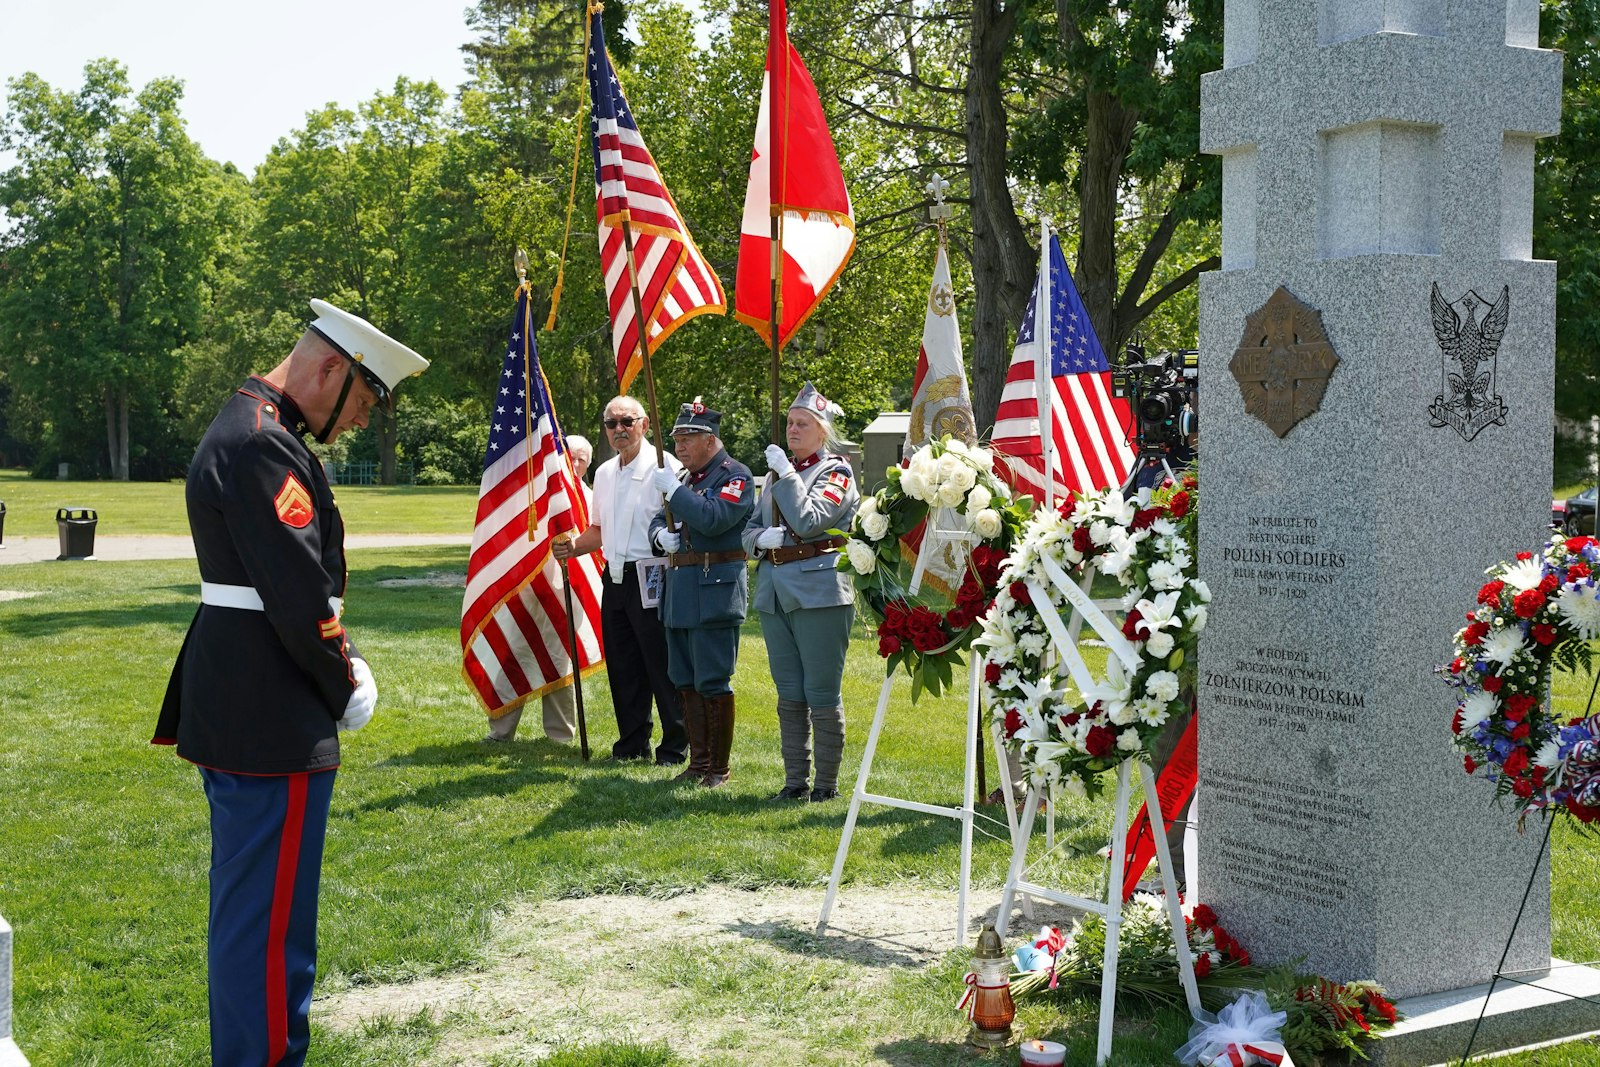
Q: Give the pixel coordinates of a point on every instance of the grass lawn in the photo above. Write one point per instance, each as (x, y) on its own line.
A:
(433, 838)
(157, 507)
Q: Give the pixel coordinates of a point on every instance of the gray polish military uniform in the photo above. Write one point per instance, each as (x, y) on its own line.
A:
(807, 607)
(704, 603)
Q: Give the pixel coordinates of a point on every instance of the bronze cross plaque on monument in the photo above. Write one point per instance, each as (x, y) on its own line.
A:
(1283, 362)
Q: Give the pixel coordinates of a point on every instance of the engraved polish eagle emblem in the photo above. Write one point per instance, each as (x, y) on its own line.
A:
(1469, 332)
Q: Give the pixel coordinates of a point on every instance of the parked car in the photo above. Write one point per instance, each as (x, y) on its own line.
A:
(1558, 514)
(1578, 517)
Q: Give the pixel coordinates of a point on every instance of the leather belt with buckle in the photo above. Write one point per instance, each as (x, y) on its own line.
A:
(704, 559)
(807, 550)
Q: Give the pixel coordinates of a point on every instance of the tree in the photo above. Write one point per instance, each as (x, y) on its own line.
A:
(1566, 210)
(115, 230)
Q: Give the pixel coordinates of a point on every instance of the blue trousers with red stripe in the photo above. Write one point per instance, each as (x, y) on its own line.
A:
(266, 869)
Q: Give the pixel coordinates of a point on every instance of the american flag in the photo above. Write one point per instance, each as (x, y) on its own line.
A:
(675, 281)
(514, 614)
(1088, 428)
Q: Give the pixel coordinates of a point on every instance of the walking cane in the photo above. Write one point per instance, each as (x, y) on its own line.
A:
(572, 641)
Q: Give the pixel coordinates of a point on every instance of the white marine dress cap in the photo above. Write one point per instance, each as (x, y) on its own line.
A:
(385, 362)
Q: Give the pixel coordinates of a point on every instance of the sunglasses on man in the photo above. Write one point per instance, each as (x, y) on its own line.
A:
(626, 422)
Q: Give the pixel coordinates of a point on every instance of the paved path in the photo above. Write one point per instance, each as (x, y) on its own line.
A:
(164, 546)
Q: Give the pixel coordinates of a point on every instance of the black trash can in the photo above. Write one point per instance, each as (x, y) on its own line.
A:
(2, 524)
(76, 527)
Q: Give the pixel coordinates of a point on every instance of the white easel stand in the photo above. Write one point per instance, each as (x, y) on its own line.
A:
(940, 530)
(1111, 907)
(963, 814)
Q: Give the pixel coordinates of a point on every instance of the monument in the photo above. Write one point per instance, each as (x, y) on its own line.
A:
(10, 1055)
(1377, 349)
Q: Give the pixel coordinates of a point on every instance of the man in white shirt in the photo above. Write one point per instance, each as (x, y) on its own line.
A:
(625, 500)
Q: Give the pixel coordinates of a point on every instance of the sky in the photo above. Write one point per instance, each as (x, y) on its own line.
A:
(251, 71)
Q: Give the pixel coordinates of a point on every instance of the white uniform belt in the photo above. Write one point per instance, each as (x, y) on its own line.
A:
(245, 598)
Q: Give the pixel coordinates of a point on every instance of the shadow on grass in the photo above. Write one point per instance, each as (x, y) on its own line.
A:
(874, 950)
(514, 767)
(922, 1052)
(28, 622)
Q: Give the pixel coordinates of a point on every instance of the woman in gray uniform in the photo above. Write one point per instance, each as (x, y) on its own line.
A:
(806, 605)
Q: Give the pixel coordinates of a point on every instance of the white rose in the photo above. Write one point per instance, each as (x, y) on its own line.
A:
(950, 495)
(964, 476)
(1159, 644)
(983, 458)
(987, 523)
(914, 484)
(869, 506)
(875, 525)
(956, 445)
(1197, 617)
(979, 498)
(862, 558)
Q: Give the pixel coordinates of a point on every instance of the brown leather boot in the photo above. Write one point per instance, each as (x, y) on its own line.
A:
(694, 723)
(719, 713)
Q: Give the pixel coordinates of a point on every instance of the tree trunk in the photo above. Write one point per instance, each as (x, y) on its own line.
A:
(1002, 259)
(116, 401)
(1107, 137)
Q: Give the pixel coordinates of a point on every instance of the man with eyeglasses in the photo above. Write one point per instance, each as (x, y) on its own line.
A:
(625, 503)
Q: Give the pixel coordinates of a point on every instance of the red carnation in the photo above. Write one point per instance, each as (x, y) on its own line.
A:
(1204, 917)
(1190, 481)
(991, 673)
(1179, 505)
(1081, 541)
(1527, 603)
(1013, 722)
(1468, 764)
(1098, 709)
(1456, 665)
(1242, 958)
(1490, 593)
(1145, 518)
(1543, 633)
(1524, 555)
(1474, 633)
(1518, 705)
(1522, 787)
(1456, 723)
(1578, 544)
(1202, 965)
(1520, 732)
(1493, 682)
(1515, 763)
(1071, 718)
(1019, 593)
(1538, 775)
(1100, 741)
(1549, 584)
(1382, 1008)
(888, 646)
(1577, 571)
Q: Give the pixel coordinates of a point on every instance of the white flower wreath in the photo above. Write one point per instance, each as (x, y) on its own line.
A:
(1069, 725)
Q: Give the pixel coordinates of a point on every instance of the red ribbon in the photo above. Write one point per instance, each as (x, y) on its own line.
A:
(967, 1004)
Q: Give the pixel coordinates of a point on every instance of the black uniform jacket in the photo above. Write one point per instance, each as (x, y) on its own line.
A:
(258, 692)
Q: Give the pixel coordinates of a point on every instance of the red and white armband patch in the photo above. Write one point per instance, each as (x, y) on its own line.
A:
(733, 491)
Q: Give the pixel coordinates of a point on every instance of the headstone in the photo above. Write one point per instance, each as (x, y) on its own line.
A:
(1377, 160)
(10, 1055)
(63, 471)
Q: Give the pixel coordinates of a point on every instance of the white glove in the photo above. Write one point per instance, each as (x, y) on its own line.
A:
(666, 480)
(778, 463)
(669, 541)
(358, 712)
(771, 537)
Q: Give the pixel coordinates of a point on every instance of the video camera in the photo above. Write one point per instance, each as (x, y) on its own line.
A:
(1162, 394)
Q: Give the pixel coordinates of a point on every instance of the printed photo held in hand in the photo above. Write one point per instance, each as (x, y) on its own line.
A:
(1539, 611)
(1072, 730)
(925, 633)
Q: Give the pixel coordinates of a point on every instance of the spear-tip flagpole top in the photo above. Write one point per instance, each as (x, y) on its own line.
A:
(522, 266)
(936, 189)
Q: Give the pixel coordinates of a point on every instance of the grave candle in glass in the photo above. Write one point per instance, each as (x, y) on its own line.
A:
(992, 1008)
(1036, 1053)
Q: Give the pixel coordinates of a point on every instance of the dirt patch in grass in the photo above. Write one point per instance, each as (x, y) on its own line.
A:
(441, 579)
(17, 594)
(716, 974)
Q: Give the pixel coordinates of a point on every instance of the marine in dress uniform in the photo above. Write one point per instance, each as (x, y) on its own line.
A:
(806, 605)
(706, 592)
(267, 678)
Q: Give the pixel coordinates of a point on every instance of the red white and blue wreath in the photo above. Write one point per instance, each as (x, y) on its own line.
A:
(1538, 612)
